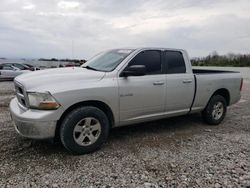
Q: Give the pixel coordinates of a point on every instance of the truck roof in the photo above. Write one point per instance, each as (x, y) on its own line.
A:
(142, 48)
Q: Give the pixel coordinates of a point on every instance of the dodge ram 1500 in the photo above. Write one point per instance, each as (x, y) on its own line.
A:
(116, 88)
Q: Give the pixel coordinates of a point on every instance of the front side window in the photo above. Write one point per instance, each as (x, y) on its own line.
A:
(151, 59)
(107, 61)
(175, 62)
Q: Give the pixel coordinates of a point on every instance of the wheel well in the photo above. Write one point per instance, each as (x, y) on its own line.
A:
(224, 93)
(98, 104)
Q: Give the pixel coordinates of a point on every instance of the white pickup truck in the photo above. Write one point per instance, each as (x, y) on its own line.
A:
(116, 88)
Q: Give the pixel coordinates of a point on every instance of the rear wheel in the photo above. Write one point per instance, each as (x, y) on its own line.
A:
(84, 130)
(215, 111)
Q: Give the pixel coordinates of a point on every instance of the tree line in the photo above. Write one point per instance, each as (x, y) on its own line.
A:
(64, 60)
(229, 60)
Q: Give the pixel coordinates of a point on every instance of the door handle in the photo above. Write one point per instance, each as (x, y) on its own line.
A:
(158, 83)
(187, 81)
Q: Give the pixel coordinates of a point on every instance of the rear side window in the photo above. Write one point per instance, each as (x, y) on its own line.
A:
(175, 62)
(7, 67)
(151, 59)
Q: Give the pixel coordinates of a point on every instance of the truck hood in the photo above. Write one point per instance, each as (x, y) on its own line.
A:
(49, 80)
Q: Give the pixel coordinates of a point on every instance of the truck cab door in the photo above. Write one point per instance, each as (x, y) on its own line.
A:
(180, 84)
(143, 97)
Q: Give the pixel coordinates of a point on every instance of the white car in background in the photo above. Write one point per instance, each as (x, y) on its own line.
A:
(8, 71)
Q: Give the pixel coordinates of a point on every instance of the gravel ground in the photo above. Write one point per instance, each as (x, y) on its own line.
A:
(176, 152)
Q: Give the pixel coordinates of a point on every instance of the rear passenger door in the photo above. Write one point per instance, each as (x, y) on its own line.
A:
(179, 83)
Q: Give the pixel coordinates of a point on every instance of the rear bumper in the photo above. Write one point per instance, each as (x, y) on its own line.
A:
(30, 123)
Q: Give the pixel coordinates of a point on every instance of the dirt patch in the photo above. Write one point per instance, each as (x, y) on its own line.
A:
(180, 151)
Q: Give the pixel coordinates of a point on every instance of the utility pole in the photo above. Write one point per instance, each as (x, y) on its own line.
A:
(72, 49)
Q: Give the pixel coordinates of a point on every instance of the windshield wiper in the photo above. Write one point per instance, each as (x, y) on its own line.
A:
(90, 68)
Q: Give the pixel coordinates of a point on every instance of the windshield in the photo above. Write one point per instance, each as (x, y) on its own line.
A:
(22, 67)
(107, 61)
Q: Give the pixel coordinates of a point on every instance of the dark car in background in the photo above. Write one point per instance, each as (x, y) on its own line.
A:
(32, 68)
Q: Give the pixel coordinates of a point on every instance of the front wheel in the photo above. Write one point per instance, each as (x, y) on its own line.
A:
(84, 130)
(215, 110)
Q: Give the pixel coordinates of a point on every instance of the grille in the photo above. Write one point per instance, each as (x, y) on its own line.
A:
(21, 94)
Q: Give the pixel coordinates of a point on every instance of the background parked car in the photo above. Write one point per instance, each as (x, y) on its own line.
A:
(20, 66)
(8, 71)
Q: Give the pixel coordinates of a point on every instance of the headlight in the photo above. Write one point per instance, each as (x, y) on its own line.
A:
(42, 101)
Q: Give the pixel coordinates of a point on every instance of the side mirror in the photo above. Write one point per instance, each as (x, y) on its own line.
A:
(16, 69)
(134, 70)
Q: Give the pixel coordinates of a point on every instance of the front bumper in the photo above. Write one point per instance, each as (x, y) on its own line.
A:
(35, 124)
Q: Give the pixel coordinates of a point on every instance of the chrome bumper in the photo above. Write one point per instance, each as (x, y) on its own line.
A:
(30, 123)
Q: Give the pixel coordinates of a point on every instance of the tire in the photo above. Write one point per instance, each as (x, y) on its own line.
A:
(84, 130)
(215, 111)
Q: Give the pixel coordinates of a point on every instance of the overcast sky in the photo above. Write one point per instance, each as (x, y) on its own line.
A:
(49, 28)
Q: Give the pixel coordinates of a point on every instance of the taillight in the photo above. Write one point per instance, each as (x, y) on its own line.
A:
(241, 84)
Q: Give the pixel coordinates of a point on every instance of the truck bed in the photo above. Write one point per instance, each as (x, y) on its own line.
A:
(208, 81)
(206, 71)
